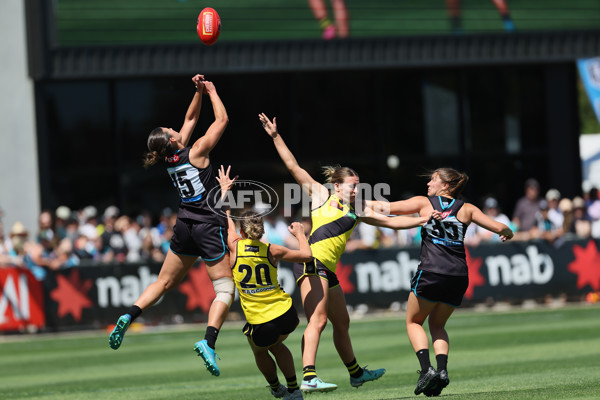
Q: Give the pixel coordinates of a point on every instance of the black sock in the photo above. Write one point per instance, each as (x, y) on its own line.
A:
(134, 311)
(442, 361)
(423, 356)
(274, 384)
(354, 369)
(211, 336)
(292, 383)
(309, 372)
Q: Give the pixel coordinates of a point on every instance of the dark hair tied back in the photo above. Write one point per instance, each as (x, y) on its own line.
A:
(159, 146)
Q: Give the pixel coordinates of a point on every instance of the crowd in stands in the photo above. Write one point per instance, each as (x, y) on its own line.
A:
(66, 237)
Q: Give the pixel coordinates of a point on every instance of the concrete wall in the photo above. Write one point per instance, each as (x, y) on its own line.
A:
(19, 182)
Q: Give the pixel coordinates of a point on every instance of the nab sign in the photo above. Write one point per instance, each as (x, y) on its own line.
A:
(21, 300)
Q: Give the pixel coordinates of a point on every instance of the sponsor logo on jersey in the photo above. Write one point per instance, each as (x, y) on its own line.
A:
(446, 213)
(334, 203)
(259, 290)
(173, 159)
(251, 249)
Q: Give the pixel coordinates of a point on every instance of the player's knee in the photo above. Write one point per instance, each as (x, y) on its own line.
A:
(224, 290)
(318, 322)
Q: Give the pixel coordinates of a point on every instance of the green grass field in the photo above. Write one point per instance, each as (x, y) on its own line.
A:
(93, 22)
(539, 354)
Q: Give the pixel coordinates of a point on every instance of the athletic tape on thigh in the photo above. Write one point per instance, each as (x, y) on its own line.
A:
(224, 289)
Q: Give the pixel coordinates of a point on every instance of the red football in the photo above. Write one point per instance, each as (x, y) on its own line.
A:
(208, 26)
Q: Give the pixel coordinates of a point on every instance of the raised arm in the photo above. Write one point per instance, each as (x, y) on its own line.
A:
(193, 111)
(303, 254)
(226, 184)
(315, 190)
(206, 143)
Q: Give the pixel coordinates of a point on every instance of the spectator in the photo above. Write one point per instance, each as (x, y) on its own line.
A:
(566, 208)
(63, 257)
(524, 216)
(111, 213)
(593, 205)
(165, 220)
(84, 248)
(133, 242)
(27, 253)
(149, 250)
(546, 229)
(147, 230)
(62, 216)
(72, 229)
(88, 222)
(581, 224)
(115, 243)
(46, 236)
(554, 213)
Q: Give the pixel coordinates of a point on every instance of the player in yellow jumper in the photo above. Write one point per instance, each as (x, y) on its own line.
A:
(269, 311)
(333, 218)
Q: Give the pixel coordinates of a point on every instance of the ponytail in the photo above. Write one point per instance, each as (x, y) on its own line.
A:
(456, 180)
(252, 225)
(159, 146)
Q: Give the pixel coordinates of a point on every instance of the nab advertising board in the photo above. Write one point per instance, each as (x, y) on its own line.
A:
(21, 300)
(95, 296)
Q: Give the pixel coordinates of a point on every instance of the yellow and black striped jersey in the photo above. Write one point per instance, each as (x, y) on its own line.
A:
(261, 296)
(332, 225)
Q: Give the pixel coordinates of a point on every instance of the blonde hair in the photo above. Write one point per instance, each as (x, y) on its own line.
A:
(456, 180)
(159, 146)
(252, 225)
(337, 173)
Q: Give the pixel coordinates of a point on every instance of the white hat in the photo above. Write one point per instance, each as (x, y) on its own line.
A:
(578, 202)
(18, 229)
(90, 212)
(63, 212)
(552, 194)
(111, 212)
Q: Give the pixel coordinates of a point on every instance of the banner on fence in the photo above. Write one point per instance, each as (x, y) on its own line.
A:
(97, 295)
(21, 300)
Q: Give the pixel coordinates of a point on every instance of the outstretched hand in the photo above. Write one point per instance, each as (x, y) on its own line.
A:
(224, 180)
(270, 127)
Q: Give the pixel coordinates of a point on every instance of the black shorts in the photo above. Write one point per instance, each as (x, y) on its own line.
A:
(264, 335)
(200, 239)
(315, 267)
(439, 288)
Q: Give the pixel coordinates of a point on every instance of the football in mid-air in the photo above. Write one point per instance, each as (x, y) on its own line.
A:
(208, 26)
